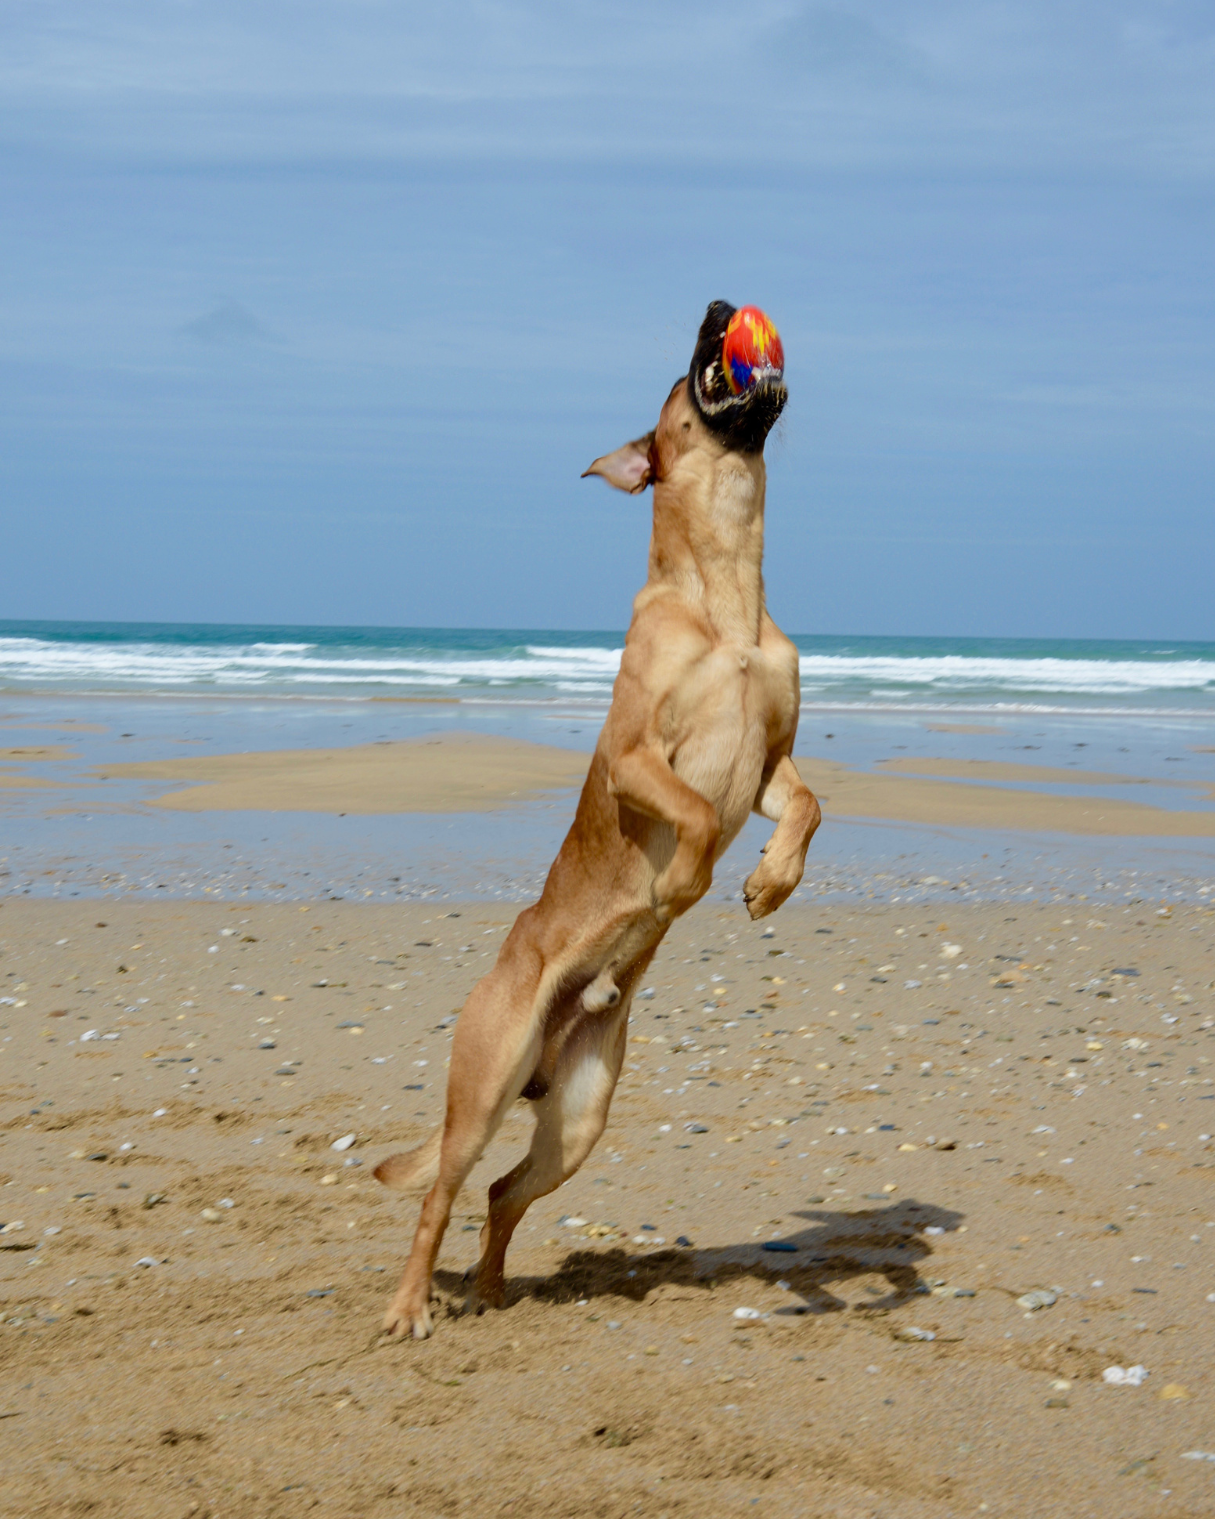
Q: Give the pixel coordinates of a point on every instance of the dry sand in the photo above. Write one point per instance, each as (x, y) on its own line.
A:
(29, 752)
(469, 772)
(448, 772)
(13, 779)
(956, 804)
(1006, 770)
(191, 1300)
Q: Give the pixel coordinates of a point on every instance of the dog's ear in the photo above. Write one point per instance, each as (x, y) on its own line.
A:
(630, 468)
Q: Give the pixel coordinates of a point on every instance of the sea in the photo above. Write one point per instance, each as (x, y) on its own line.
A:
(994, 676)
(93, 694)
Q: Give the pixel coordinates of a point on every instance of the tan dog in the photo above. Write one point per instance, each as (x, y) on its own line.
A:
(699, 734)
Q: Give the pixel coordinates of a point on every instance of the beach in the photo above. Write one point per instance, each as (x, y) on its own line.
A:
(398, 399)
(847, 1142)
(892, 1179)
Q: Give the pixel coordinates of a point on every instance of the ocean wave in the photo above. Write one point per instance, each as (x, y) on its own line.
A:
(957, 672)
(920, 676)
(30, 661)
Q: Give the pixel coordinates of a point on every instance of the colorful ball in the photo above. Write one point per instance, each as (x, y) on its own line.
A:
(751, 349)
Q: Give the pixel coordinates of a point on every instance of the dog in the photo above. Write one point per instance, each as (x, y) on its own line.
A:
(699, 734)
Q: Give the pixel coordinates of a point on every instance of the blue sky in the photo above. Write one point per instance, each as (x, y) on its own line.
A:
(316, 312)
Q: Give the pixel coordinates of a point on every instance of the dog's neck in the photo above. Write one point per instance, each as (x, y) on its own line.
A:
(708, 541)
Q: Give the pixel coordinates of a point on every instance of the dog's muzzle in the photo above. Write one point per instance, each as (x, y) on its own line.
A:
(737, 381)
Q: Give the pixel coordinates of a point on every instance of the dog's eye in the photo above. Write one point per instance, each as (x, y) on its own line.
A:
(687, 427)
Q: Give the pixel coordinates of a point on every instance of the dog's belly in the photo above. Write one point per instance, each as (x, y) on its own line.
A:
(724, 746)
(732, 787)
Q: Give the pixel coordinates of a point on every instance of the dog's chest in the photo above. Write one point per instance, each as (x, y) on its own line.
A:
(722, 720)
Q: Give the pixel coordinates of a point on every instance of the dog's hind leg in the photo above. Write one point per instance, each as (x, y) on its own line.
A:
(569, 1120)
(413, 1170)
(496, 1047)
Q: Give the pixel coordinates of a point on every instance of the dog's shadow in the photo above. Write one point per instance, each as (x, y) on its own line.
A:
(889, 1241)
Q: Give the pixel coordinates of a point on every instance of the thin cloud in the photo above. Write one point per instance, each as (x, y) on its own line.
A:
(928, 83)
(228, 325)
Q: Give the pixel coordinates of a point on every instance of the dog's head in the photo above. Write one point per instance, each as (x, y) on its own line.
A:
(703, 408)
(741, 417)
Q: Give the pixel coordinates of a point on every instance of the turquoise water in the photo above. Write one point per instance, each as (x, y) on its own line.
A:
(576, 669)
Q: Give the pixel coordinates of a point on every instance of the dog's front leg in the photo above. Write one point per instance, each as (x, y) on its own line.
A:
(785, 798)
(643, 780)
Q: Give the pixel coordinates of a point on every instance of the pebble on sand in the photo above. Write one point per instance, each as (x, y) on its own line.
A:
(344, 1143)
(1125, 1376)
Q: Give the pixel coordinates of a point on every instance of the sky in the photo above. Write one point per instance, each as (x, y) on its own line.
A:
(315, 312)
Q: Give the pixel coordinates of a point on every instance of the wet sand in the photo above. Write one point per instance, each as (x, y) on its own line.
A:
(469, 772)
(937, 1108)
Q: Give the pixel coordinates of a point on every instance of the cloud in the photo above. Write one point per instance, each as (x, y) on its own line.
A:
(830, 42)
(228, 325)
(934, 83)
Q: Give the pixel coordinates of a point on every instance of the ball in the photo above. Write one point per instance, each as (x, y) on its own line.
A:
(751, 349)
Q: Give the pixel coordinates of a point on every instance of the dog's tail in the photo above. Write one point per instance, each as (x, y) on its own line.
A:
(415, 1170)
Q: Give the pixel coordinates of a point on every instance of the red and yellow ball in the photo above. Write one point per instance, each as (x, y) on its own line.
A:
(751, 349)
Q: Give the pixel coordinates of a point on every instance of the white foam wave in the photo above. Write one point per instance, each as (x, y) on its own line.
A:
(1001, 708)
(957, 672)
(30, 661)
(606, 659)
(547, 671)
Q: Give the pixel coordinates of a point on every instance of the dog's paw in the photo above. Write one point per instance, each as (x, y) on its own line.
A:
(758, 904)
(482, 1295)
(766, 888)
(404, 1318)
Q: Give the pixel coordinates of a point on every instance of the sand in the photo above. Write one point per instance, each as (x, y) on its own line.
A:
(36, 752)
(850, 793)
(190, 1301)
(1005, 770)
(13, 779)
(448, 772)
(469, 772)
